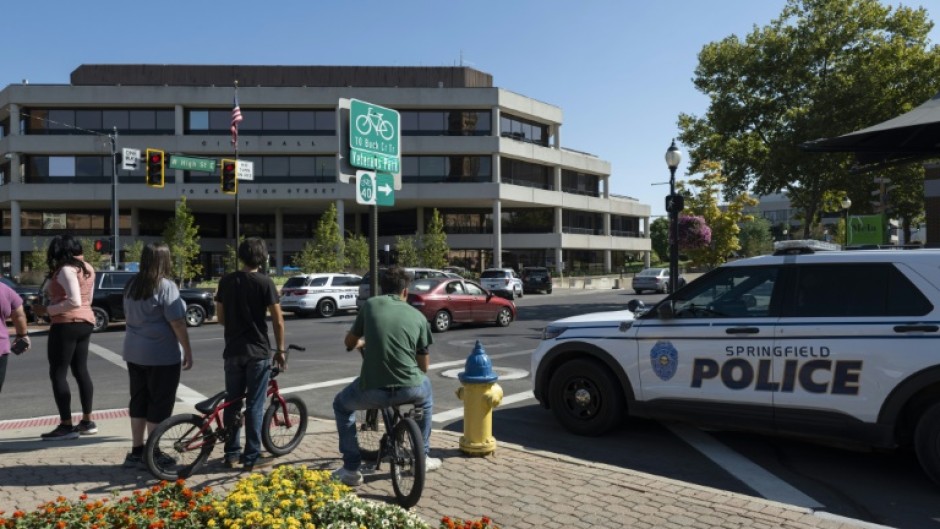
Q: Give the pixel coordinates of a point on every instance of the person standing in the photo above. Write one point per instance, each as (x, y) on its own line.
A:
(156, 334)
(243, 299)
(11, 307)
(394, 339)
(69, 290)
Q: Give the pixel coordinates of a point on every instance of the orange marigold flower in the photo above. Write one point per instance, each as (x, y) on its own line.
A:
(181, 482)
(207, 490)
(60, 499)
(18, 514)
(99, 516)
(141, 499)
(61, 524)
(83, 497)
(485, 520)
(164, 504)
(477, 525)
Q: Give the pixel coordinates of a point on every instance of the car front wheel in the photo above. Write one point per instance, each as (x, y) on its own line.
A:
(927, 442)
(586, 398)
(195, 315)
(101, 319)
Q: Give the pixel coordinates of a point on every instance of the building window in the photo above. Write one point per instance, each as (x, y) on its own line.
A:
(621, 226)
(99, 121)
(429, 169)
(526, 174)
(580, 183)
(582, 222)
(262, 122)
(463, 220)
(445, 123)
(527, 220)
(80, 170)
(523, 130)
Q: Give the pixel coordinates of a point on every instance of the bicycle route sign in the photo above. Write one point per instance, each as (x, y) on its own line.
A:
(375, 189)
(374, 137)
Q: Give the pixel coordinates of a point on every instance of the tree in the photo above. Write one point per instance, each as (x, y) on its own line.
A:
(702, 196)
(357, 252)
(822, 68)
(36, 259)
(434, 246)
(755, 237)
(231, 263)
(694, 234)
(133, 251)
(182, 236)
(325, 253)
(659, 237)
(407, 251)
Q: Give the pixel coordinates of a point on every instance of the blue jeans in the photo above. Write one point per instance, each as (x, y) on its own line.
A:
(249, 377)
(351, 398)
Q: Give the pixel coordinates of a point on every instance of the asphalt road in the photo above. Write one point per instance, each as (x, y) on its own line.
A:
(886, 488)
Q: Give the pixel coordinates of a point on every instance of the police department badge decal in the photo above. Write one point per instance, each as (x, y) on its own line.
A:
(665, 359)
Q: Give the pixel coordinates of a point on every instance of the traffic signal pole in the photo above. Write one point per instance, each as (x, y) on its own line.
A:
(115, 247)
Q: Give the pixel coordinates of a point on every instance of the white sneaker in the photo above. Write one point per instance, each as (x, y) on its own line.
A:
(432, 463)
(351, 478)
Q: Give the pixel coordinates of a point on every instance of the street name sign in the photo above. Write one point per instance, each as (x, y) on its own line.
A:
(245, 170)
(191, 163)
(130, 159)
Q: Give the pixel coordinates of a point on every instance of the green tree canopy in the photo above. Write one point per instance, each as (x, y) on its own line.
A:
(407, 251)
(434, 246)
(755, 237)
(357, 253)
(823, 68)
(325, 253)
(182, 236)
(659, 237)
(132, 251)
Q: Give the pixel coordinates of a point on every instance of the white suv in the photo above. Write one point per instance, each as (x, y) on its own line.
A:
(831, 345)
(322, 294)
(502, 281)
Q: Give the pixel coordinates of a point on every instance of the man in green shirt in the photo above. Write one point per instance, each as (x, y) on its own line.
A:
(394, 339)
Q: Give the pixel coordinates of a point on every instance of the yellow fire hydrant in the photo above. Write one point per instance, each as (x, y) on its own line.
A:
(480, 394)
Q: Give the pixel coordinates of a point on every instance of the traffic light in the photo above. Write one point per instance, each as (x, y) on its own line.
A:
(155, 167)
(229, 177)
(103, 245)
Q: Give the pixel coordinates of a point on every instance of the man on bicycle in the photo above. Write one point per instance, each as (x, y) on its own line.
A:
(394, 339)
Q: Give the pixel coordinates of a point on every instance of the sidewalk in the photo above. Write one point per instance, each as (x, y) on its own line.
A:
(516, 487)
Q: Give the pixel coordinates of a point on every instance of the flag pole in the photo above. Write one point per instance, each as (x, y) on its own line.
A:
(237, 205)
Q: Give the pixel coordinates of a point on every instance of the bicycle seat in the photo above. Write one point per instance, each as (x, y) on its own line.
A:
(209, 404)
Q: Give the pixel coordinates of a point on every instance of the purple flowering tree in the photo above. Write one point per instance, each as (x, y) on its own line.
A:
(694, 233)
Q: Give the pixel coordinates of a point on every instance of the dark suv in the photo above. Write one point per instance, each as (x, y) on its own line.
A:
(536, 279)
(108, 300)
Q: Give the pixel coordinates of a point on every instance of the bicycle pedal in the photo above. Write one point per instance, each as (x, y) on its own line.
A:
(367, 469)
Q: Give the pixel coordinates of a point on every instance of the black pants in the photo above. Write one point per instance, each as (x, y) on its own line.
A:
(68, 348)
(3, 369)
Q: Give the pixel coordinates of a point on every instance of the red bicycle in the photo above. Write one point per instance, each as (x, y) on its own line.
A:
(181, 444)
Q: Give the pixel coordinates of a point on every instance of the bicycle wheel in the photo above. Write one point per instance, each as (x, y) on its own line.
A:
(178, 446)
(276, 436)
(364, 124)
(369, 430)
(407, 463)
(386, 130)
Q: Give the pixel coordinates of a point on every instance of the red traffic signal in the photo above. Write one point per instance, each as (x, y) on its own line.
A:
(229, 177)
(103, 245)
(155, 168)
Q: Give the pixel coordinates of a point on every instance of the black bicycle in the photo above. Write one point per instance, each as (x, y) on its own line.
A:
(401, 444)
(182, 443)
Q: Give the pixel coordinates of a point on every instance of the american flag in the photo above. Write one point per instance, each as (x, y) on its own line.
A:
(236, 119)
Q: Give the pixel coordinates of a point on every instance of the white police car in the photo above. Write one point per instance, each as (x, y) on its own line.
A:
(831, 345)
(322, 294)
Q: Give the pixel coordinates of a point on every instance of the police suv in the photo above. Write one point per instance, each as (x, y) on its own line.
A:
(322, 294)
(831, 345)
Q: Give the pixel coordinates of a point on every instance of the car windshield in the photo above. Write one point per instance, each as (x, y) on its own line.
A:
(493, 273)
(651, 272)
(295, 282)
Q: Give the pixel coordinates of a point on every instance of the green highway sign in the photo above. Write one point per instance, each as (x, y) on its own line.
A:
(374, 137)
(384, 189)
(191, 163)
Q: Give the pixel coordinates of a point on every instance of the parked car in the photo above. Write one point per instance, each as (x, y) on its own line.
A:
(536, 279)
(445, 301)
(414, 273)
(29, 295)
(322, 294)
(502, 282)
(107, 303)
(838, 346)
(655, 280)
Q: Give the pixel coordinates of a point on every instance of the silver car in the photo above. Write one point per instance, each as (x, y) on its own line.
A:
(654, 280)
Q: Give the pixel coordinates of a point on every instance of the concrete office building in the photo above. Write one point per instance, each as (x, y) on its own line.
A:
(489, 160)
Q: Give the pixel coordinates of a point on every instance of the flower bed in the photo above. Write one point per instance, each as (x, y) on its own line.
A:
(290, 497)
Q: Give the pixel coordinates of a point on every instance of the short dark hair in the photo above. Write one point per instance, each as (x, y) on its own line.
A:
(394, 280)
(253, 252)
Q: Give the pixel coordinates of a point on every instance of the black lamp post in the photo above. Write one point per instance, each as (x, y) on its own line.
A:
(846, 204)
(674, 205)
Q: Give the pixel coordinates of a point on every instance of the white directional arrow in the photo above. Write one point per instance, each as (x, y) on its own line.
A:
(385, 188)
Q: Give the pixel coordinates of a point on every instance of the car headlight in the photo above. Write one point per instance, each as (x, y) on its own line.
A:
(553, 331)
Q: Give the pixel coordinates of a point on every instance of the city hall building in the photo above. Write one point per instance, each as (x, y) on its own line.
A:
(489, 160)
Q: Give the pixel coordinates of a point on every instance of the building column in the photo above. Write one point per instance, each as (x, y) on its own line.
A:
(135, 223)
(497, 234)
(494, 119)
(16, 257)
(279, 239)
(607, 261)
(420, 213)
(557, 178)
(606, 217)
(557, 229)
(497, 173)
(556, 143)
(606, 181)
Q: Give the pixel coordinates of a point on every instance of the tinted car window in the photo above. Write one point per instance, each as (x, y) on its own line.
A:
(474, 290)
(319, 281)
(343, 281)
(295, 282)
(115, 280)
(869, 289)
(493, 273)
(454, 287)
(730, 293)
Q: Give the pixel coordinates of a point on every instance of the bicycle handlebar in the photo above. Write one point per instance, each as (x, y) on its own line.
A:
(290, 347)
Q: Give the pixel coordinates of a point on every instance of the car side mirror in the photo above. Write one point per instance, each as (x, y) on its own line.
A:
(666, 311)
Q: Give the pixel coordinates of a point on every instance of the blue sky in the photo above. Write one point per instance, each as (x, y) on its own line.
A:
(621, 70)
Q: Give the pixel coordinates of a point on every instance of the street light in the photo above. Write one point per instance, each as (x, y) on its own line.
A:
(673, 207)
(846, 204)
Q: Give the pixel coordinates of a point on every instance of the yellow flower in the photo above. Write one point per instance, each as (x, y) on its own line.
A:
(211, 523)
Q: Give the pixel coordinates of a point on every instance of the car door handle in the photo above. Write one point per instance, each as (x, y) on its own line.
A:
(916, 328)
(742, 330)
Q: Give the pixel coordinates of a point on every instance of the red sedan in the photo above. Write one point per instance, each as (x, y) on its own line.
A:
(445, 301)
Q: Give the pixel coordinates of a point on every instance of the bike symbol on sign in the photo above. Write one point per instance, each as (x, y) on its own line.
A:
(365, 123)
(366, 189)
